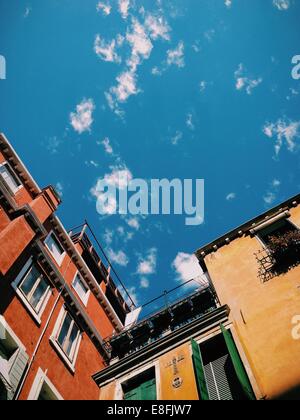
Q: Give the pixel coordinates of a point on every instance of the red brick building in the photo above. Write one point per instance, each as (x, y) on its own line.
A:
(58, 301)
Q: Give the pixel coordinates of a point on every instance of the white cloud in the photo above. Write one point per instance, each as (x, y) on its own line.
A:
(282, 5)
(231, 196)
(157, 27)
(147, 265)
(59, 188)
(271, 195)
(203, 86)
(124, 6)
(228, 3)
(133, 223)
(27, 12)
(106, 50)
(209, 35)
(107, 146)
(82, 119)
(176, 57)
(118, 257)
(189, 122)
(91, 163)
(133, 293)
(187, 267)
(243, 82)
(119, 177)
(176, 138)
(104, 7)
(144, 283)
(283, 131)
(141, 45)
(108, 236)
(126, 87)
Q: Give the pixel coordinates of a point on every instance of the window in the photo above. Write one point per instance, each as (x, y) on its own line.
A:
(219, 370)
(43, 389)
(10, 178)
(33, 289)
(13, 361)
(81, 288)
(55, 248)
(278, 229)
(66, 338)
(141, 387)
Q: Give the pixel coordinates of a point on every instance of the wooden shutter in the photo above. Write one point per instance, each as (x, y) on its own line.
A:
(144, 392)
(199, 371)
(17, 370)
(238, 364)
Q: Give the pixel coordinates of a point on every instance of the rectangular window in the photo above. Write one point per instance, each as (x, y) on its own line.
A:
(10, 178)
(68, 336)
(141, 387)
(33, 289)
(81, 288)
(55, 248)
(277, 229)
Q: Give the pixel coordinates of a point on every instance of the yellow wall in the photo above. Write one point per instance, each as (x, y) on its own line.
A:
(267, 308)
(184, 372)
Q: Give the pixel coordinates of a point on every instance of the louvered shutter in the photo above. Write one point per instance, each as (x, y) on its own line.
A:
(217, 380)
(17, 370)
(199, 371)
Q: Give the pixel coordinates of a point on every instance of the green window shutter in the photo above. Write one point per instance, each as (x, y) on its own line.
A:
(238, 364)
(148, 391)
(199, 370)
(144, 392)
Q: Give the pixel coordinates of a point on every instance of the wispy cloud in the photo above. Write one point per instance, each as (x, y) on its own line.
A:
(27, 12)
(283, 131)
(106, 50)
(107, 146)
(147, 264)
(190, 122)
(176, 56)
(282, 5)
(244, 81)
(118, 257)
(124, 6)
(176, 138)
(157, 27)
(228, 3)
(187, 267)
(59, 188)
(231, 196)
(82, 119)
(103, 7)
(271, 195)
(144, 283)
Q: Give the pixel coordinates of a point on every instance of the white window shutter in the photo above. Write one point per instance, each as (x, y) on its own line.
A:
(17, 370)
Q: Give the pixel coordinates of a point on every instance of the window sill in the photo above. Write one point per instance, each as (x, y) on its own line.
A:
(62, 355)
(35, 316)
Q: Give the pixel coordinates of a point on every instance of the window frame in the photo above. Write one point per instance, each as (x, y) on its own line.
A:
(37, 312)
(70, 362)
(59, 260)
(14, 176)
(263, 243)
(84, 299)
(37, 386)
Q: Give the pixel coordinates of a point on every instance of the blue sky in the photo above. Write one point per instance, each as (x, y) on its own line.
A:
(155, 89)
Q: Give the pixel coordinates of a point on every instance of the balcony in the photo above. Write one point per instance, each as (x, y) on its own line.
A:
(104, 274)
(281, 254)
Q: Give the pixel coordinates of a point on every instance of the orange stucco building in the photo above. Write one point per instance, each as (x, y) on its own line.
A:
(57, 299)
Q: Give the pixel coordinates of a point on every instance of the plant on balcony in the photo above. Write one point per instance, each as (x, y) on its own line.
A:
(285, 249)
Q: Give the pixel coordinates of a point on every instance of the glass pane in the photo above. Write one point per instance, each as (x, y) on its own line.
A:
(72, 342)
(30, 280)
(9, 177)
(55, 247)
(80, 287)
(39, 292)
(64, 330)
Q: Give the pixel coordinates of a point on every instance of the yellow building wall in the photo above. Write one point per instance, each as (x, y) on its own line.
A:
(176, 369)
(175, 377)
(262, 313)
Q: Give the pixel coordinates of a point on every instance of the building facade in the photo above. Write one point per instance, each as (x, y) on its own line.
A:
(58, 301)
(240, 340)
(65, 332)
